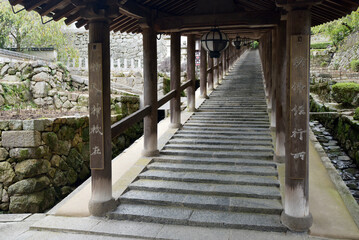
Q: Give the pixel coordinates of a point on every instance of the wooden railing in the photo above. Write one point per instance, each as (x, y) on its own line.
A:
(122, 125)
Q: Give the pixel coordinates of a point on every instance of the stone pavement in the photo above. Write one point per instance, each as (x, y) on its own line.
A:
(332, 218)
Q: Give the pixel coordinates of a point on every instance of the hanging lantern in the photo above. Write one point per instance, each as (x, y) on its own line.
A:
(237, 43)
(214, 42)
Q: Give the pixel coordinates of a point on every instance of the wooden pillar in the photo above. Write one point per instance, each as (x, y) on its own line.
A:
(210, 73)
(274, 79)
(223, 55)
(268, 63)
(296, 215)
(100, 118)
(203, 73)
(150, 90)
(220, 69)
(175, 104)
(281, 92)
(191, 72)
(216, 71)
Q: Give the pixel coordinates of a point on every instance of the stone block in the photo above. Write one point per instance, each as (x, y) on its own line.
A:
(11, 78)
(40, 89)
(7, 174)
(26, 153)
(29, 185)
(3, 154)
(41, 77)
(32, 203)
(34, 124)
(15, 125)
(31, 168)
(27, 138)
(4, 70)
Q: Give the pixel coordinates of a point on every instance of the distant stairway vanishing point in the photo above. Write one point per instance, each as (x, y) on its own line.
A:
(217, 171)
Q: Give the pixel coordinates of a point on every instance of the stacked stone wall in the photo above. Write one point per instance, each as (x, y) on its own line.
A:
(43, 160)
(47, 85)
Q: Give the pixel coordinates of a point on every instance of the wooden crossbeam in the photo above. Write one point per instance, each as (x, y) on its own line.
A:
(180, 23)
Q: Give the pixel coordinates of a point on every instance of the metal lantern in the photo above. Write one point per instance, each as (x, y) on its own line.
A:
(214, 42)
(237, 43)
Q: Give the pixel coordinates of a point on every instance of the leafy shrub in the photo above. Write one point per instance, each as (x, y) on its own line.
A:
(254, 44)
(321, 45)
(346, 93)
(324, 64)
(356, 114)
(354, 65)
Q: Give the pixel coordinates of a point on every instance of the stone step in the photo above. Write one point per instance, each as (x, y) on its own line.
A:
(225, 129)
(220, 148)
(212, 160)
(206, 218)
(195, 201)
(226, 124)
(211, 141)
(201, 177)
(198, 117)
(220, 154)
(247, 170)
(215, 135)
(228, 132)
(208, 189)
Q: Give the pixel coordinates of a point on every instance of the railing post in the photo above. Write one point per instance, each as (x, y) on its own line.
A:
(203, 73)
(150, 90)
(100, 118)
(175, 105)
(191, 72)
(210, 73)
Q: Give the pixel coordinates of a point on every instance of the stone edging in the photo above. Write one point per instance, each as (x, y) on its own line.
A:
(343, 190)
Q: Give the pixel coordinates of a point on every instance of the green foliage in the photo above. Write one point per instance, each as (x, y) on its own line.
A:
(345, 93)
(321, 45)
(354, 65)
(356, 114)
(25, 30)
(324, 64)
(254, 44)
(338, 30)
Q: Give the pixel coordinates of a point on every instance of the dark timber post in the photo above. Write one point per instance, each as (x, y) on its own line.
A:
(100, 118)
(203, 73)
(223, 55)
(268, 63)
(150, 90)
(210, 73)
(191, 72)
(216, 71)
(296, 215)
(274, 79)
(175, 108)
(281, 92)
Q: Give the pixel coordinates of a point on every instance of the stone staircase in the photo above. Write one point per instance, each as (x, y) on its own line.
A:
(217, 171)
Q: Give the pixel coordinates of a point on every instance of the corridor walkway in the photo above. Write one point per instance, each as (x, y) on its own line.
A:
(214, 179)
(217, 171)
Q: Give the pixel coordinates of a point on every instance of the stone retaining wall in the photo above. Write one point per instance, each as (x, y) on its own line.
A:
(39, 84)
(42, 161)
(342, 126)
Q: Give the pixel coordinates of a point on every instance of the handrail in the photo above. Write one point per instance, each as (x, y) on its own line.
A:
(122, 125)
(185, 85)
(171, 94)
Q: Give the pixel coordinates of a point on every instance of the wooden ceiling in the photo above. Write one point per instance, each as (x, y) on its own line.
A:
(181, 15)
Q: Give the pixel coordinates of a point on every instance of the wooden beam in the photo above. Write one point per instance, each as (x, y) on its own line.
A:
(179, 23)
(50, 7)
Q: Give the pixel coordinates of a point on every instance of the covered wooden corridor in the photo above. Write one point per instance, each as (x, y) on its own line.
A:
(283, 30)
